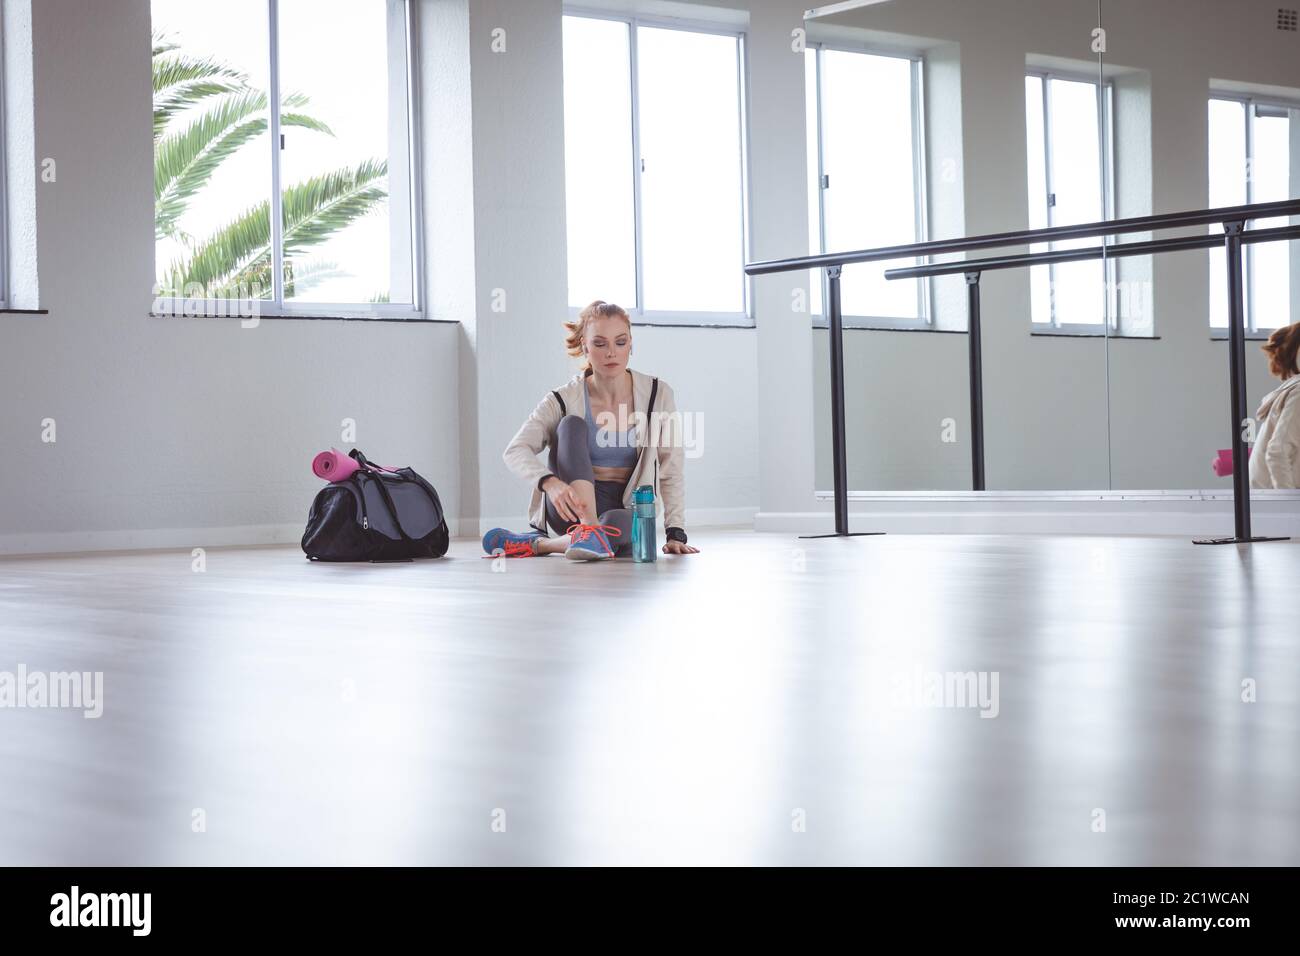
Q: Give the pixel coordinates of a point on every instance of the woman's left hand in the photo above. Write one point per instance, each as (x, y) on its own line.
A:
(679, 547)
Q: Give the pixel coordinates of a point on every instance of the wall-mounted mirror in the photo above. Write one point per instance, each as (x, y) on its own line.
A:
(933, 119)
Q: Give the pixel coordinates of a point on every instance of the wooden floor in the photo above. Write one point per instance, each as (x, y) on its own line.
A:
(760, 702)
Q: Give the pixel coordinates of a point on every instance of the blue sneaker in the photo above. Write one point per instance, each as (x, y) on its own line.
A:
(590, 542)
(509, 543)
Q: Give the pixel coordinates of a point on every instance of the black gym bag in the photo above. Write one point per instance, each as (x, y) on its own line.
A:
(376, 515)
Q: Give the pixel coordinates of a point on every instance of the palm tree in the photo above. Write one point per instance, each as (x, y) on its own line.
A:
(237, 256)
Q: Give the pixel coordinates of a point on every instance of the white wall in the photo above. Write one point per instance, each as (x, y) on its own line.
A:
(173, 432)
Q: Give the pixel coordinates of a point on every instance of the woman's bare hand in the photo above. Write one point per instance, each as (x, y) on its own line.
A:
(679, 547)
(563, 498)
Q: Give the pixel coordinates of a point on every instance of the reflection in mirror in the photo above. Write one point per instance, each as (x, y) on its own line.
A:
(984, 163)
(1110, 373)
(1197, 133)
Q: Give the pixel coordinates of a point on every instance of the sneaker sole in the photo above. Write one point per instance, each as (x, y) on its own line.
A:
(582, 554)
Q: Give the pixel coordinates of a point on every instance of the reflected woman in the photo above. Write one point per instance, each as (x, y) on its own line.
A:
(1275, 457)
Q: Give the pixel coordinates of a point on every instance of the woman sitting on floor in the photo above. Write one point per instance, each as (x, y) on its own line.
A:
(586, 491)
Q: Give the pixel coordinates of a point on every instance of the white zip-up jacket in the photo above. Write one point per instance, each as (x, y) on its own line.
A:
(658, 438)
(1275, 457)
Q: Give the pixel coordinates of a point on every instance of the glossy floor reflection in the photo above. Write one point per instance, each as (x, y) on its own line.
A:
(771, 700)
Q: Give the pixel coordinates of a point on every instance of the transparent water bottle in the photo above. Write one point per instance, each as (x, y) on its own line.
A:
(643, 524)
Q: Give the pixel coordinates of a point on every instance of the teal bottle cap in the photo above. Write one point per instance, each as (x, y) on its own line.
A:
(645, 494)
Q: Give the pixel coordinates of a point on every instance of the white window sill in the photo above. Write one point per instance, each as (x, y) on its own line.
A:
(1221, 335)
(1086, 333)
(873, 323)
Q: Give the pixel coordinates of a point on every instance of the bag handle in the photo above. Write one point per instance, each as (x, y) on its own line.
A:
(357, 455)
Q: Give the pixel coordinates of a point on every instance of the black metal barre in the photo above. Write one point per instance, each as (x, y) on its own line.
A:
(1232, 217)
(1114, 227)
(1118, 251)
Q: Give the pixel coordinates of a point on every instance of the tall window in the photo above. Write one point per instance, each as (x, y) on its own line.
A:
(867, 188)
(1069, 136)
(1250, 161)
(283, 157)
(654, 169)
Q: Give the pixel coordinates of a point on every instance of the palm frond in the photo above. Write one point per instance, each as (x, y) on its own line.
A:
(168, 71)
(303, 120)
(185, 161)
(162, 43)
(299, 276)
(314, 210)
(255, 277)
(302, 275)
(184, 96)
(234, 248)
(320, 206)
(237, 257)
(181, 80)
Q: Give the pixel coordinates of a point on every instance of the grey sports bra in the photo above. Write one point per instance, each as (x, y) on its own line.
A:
(608, 448)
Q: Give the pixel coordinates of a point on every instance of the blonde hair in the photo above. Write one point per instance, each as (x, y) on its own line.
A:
(600, 309)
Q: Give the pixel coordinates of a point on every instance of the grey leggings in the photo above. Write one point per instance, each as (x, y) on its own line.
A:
(570, 460)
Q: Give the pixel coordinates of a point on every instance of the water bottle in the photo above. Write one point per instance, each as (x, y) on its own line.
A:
(643, 524)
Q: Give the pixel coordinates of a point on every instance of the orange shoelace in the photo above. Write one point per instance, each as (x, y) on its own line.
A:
(597, 531)
(515, 549)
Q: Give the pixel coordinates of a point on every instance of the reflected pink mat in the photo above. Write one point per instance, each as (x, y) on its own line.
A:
(1223, 464)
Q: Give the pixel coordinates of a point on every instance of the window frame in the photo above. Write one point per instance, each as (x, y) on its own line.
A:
(277, 307)
(1249, 103)
(686, 318)
(1109, 324)
(925, 320)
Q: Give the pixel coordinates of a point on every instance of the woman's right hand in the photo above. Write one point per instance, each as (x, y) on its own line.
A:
(562, 497)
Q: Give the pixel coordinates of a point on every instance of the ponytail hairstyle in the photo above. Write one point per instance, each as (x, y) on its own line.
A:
(1281, 349)
(600, 309)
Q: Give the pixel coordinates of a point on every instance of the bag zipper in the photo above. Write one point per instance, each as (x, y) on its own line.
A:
(365, 518)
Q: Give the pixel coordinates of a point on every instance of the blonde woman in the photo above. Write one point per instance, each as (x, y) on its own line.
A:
(1275, 456)
(609, 430)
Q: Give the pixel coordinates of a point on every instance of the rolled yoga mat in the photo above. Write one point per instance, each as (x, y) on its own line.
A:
(333, 465)
(1223, 464)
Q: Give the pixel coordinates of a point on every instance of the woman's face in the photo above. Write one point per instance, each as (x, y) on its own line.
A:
(609, 340)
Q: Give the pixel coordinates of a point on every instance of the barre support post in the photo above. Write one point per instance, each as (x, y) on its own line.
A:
(1232, 232)
(976, 381)
(838, 453)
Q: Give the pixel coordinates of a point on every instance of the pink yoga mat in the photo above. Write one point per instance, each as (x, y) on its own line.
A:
(333, 465)
(1223, 464)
